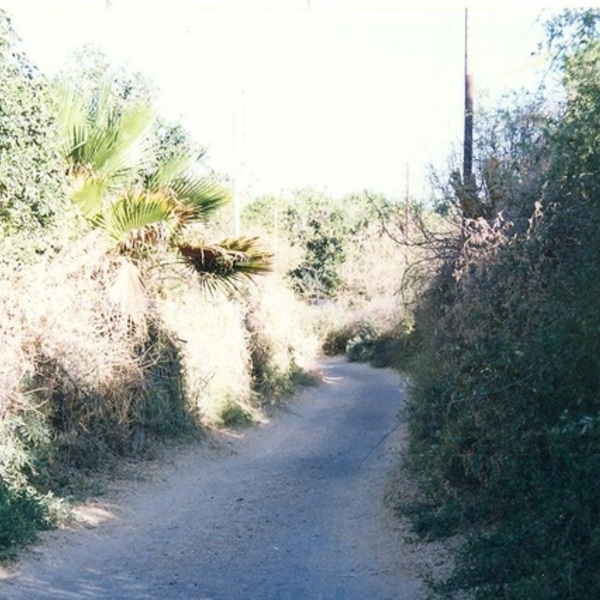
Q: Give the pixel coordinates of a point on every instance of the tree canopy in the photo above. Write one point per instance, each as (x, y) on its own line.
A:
(32, 170)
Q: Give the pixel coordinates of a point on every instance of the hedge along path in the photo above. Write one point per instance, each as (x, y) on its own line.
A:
(289, 510)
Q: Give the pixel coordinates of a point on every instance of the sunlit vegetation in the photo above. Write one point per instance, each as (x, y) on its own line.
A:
(349, 259)
(128, 315)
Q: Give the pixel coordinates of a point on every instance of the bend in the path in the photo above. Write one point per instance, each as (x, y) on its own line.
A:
(295, 513)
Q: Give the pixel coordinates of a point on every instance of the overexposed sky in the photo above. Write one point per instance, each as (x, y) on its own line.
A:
(340, 95)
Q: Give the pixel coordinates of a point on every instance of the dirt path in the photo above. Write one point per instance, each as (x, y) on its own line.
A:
(291, 510)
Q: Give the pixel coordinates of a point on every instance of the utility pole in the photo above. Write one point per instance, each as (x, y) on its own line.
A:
(469, 104)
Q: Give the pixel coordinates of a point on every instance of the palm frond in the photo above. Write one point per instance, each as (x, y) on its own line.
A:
(198, 198)
(167, 172)
(87, 193)
(109, 143)
(227, 264)
(137, 220)
(124, 144)
(72, 123)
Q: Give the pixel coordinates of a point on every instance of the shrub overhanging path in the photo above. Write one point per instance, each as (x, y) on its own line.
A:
(293, 509)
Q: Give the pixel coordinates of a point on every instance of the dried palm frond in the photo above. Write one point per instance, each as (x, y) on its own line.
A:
(227, 264)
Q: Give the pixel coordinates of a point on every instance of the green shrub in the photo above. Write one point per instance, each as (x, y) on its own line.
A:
(32, 172)
(22, 513)
(336, 340)
(504, 405)
(233, 414)
(360, 346)
(373, 342)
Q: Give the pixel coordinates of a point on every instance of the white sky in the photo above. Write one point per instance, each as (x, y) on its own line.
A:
(341, 95)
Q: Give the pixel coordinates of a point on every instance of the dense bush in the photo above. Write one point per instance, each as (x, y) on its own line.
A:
(81, 385)
(74, 362)
(504, 407)
(22, 514)
(32, 171)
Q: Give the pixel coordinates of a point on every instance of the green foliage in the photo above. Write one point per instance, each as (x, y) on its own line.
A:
(108, 148)
(316, 276)
(22, 514)
(31, 167)
(366, 341)
(23, 509)
(102, 144)
(336, 340)
(504, 403)
(394, 348)
(232, 414)
(360, 346)
(348, 257)
(321, 228)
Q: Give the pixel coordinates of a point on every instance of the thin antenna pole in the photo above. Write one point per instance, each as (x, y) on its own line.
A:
(406, 198)
(239, 133)
(236, 169)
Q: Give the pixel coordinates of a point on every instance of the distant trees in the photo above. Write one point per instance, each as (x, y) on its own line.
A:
(322, 230)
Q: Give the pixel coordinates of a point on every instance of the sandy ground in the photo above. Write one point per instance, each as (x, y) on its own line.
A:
(290, 510)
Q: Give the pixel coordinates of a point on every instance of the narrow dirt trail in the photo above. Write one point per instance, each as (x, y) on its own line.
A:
(292, 510)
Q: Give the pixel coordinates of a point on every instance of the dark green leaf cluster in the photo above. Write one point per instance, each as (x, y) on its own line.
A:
(504, 408)
(22, 514)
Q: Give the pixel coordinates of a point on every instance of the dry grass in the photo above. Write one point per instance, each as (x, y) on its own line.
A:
(71, 356)
(98, 384)
(375, 293)
(214, 348)
(282, 326)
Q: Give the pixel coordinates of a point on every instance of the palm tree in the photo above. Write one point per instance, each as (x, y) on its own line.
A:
(103, 145)
(141, 216)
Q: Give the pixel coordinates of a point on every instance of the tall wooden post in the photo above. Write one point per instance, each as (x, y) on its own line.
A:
(469, 104)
